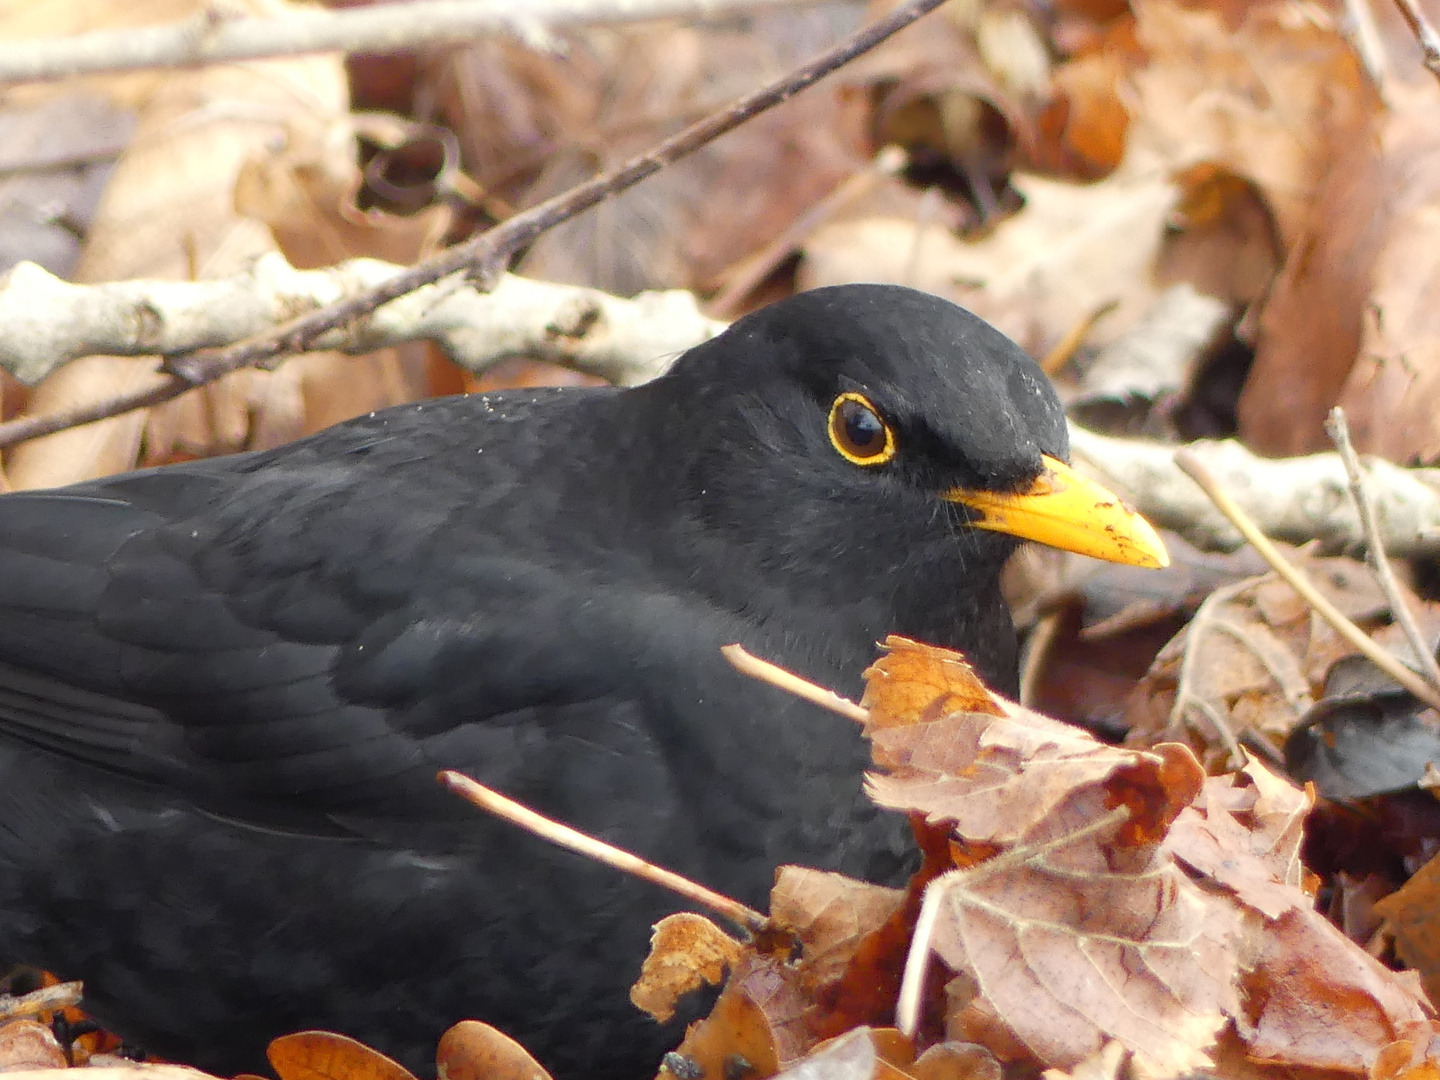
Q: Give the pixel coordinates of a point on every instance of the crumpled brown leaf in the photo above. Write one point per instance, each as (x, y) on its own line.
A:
(1072, 921)
(1251, 660)
(687, 951)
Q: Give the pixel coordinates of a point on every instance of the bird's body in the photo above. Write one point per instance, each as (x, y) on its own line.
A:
(226, 687)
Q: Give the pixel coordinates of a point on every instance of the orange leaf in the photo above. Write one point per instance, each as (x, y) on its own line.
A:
(474, 1051)
(687, 951)
(324, 1055)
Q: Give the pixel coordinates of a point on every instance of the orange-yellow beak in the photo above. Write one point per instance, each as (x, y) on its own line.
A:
(1067, 511)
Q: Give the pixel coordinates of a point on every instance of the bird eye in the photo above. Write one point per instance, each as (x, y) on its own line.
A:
(858, 433)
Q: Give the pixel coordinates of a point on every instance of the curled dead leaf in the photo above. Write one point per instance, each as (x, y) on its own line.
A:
(738, 1040)
(914, 683)
(474, 1051)
(687, 951)
(324, 1055)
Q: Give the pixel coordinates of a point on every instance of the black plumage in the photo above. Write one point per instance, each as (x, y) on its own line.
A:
(226, 686)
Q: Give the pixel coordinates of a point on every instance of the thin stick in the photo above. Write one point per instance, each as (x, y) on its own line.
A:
(750, 664)
(487, 255)
(1339, 432)
(213, 37)
(1067, 346)
(1043, 635)
(1424, 34)
(492, 802)
(1196, 470)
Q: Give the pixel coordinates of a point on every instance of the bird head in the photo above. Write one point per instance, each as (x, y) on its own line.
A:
(887, 397)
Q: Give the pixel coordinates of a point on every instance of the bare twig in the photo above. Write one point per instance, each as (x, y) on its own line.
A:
(1339, 432)
(750, 664)
(492, 802)
(1412, 682)
(1185, 696)
(1060, 354)
(1038, 642)
(1424, 34)
(212, 37)
(1368, 43)
(485, 257)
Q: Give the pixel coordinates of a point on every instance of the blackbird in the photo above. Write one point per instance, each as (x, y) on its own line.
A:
(226, 686)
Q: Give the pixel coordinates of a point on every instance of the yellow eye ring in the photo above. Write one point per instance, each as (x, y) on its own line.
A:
(858, 433)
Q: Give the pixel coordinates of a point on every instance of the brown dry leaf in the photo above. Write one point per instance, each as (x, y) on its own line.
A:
(1315, 999)
(1077, 938)
(830, 915)
(1022, 777)
(1412, 914)
(324, 1055)
(1252, 659)
(1248, 838)
(168, 213)
(957, 1061)
(1037, 275)
(1082, 130)
(304, 192)
(740, 1035)
(915, 683)
(852, 1056)
(1415, 1056)
(951, 93)
(854, 937)
(1266, 98)
(474, 1051)
(687, 951)
(1104, 1064)
(1389, 397)
(29, 1044)
(532, 125)
(1081, 926)
(1223, 239)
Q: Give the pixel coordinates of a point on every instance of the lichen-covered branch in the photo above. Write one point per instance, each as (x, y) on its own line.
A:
(1291, 499)
(214, 36)
(49, 322)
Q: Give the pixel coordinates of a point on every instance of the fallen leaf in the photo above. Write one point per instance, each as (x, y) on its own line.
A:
(471, 1050)
(1080, 939)
(1257, 858)
(957, 1061)
(1314, 999)
(914, 683)
(29, 1044)
(1071, 251)
(1251, 661)
(687, 951)
(1412, 914)
(851, 1057)
(853, 938)
(736, 1040)
(1416, 1056)
(168, 213)
(324, 1055)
